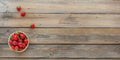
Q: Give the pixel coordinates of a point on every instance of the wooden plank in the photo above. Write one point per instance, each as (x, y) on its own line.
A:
(60, 20)
(3, 7)
(66, 35)
(55, 59)
(65, 6)
(64, 51)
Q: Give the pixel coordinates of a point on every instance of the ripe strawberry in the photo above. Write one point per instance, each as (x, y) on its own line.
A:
(32, 26)
(13, 47)
(14, 37)
(18, 8)
(26, 41)
(20, 41)
(22, 36)
(20, 49)
(10, 42)
(15, 43)
(16, 48)
(23, 45)
(20, 45)
(23, 14)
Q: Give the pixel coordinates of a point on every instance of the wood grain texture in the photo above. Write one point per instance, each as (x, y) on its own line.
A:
(64, 51)
(66, 35)
(64, 6)
(55, 59)
(93, 32)
(60, 20)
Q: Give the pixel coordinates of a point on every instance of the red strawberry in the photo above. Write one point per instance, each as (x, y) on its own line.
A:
(13, 47)
(20, 41)
(18, 8)
(22, 36)
(23, 45)
(23, 14)
(16, 48)
(32, 26)
(15, 43)
(20, 45)
(10, 42)
(20, 49)
(14, 37)
(26, 42)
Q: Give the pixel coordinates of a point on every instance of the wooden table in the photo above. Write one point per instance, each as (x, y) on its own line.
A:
(65, 29)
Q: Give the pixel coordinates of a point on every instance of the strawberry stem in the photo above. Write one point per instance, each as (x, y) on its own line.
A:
(10, 37)
(16, 49)
(17, 32)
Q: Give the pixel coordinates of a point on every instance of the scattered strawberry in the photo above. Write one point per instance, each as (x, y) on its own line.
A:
(22, 36)
(26, 41)
(32, 26)
(15, 43)
(18, 8)
(23, 14)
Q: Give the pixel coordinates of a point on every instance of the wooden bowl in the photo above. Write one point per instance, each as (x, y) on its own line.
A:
(26, 45)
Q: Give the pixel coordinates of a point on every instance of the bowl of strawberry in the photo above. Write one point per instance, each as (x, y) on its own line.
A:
(18, 41)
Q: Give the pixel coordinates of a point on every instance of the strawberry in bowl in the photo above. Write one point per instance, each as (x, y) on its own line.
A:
(18, 41)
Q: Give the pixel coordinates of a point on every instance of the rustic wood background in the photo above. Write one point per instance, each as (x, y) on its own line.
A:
(65, 29)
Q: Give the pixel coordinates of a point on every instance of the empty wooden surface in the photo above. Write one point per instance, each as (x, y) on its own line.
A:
(64, 51)
(62, 6)
(57, 59)
(65, 29)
